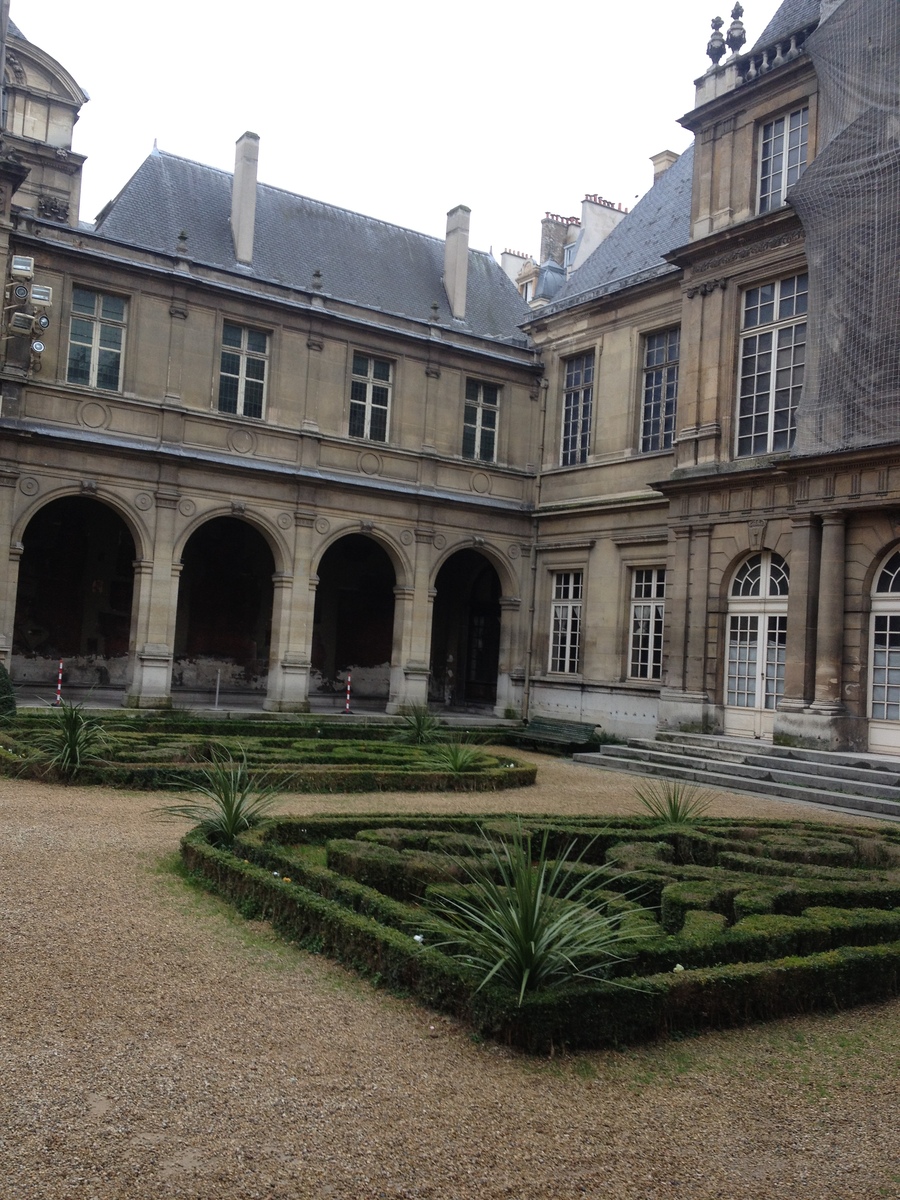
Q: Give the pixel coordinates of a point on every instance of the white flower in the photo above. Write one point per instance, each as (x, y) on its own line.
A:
(275, 873)
(419, 937)
(678, 967)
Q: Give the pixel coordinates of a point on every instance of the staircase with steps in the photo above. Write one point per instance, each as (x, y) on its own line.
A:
(864, 783)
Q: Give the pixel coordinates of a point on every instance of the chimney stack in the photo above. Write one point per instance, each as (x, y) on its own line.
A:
(456, 259)
(243, 196)
(662, 162)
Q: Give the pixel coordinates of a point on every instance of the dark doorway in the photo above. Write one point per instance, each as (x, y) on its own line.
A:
(353, 627)
(225, 595)
(465, 641)
(76, 581)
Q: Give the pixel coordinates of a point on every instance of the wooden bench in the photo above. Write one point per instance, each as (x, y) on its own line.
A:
(545, 733)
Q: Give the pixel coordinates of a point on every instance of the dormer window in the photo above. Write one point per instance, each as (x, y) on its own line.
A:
(782, 157)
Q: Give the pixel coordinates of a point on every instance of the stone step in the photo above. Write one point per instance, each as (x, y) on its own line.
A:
(875, 762)
(706, 775)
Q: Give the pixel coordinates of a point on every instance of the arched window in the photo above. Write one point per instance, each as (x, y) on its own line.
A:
(756, 643)
(885, 656)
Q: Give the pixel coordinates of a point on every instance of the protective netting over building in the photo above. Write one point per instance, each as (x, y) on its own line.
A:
(849, 203)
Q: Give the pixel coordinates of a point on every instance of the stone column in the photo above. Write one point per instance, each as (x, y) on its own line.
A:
(507, 697)
(409, 681)
(157, 586)
(803, 594)
(830, 623)
(294, 601)
(697, 611)
(9, 579)
(414, 633)
(684, 700)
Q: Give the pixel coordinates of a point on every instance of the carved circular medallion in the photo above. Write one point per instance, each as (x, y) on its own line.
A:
(285, 520)
(242, 441)
(369, 463)
(143, 501)
(513, 551)
(29, 486)
(323, 525)
(406, 537)
(94, 415)
(439, 541)
(187, 508)
(481, 483)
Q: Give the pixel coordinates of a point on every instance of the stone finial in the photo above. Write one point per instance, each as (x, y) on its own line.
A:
(736, 35)
(716, 46)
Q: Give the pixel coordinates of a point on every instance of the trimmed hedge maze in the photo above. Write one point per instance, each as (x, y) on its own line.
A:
(728, 921)
(163, 754)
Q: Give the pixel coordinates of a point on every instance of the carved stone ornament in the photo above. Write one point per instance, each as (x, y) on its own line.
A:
(706, 288)
(736, 35)
(778, 242)
(716, 46)
(53, 208)
(757, 532)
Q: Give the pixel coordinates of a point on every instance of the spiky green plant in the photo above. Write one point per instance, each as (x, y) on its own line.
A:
(458, 758)
(673, 802)
(526, 920)
(420, 727)
(7, 696)
(73, 739)
(230, 797)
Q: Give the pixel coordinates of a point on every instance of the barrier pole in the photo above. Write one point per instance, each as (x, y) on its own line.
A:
(347, 701)
(59, 683)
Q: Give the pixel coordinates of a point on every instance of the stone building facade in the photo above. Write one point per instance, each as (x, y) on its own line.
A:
(268, 441)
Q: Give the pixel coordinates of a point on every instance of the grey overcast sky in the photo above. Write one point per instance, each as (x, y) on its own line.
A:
(398, 109)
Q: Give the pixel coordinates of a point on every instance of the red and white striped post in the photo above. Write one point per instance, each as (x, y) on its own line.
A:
(347, 701)
(59, 683)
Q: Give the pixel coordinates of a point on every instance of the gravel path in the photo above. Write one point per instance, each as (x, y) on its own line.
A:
(153, 1045)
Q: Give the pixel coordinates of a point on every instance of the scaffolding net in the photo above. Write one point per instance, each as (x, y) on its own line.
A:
(848, 201)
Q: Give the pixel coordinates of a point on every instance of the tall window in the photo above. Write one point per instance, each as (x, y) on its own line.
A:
(648, 592)
(565, 629)
(773, 356)
(242, 370)
(886, 642)
(96, 338)
(578, 399)
(480, 421)
(782, 157)
(660, 390)
(757, 632)
(370, 397)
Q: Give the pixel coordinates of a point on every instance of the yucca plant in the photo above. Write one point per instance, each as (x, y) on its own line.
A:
(458, 758)
(526, 920)
(230, 798)
(73, 740)
(420, 727)
(673, 802)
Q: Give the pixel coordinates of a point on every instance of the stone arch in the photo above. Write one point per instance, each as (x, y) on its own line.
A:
(140, 534)
(466, 629)
(281, 552)
(353, 620)
(399, 561)
(509, 582)
(75, 594)
(223, 624)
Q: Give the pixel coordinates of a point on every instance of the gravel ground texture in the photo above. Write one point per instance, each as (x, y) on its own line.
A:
(152, 1044)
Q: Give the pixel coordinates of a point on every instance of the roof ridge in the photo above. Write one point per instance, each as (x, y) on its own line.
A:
(339, 208)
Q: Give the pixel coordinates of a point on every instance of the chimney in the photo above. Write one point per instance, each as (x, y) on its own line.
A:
(662, 162)
(456, 259)
(243, 196)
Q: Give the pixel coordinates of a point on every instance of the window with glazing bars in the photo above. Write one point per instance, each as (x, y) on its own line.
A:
(578, 399)
(661, 352)
(370, 397)
(480, 420)
(773, 357)
(565, 629)
(242, 370)
(782, 157)
(96, 339)
(648, 591)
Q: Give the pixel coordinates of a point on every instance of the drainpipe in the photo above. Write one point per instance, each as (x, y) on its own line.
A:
(535, 529)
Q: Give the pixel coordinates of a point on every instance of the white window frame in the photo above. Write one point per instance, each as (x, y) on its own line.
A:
(371, 390)
(659, 399)
(105, 330)
(884, 643)
(566, 612)
(772, 365)
(243, 365)
(783, 150)
(481, 420)
(646, 623)
(756, 641)
(578, 406)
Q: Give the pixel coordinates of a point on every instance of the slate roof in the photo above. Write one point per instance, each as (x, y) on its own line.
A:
(791, 16)
(634, 250)
(363, 260)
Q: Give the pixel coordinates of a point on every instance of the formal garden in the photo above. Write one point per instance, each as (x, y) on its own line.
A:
(541, 932)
